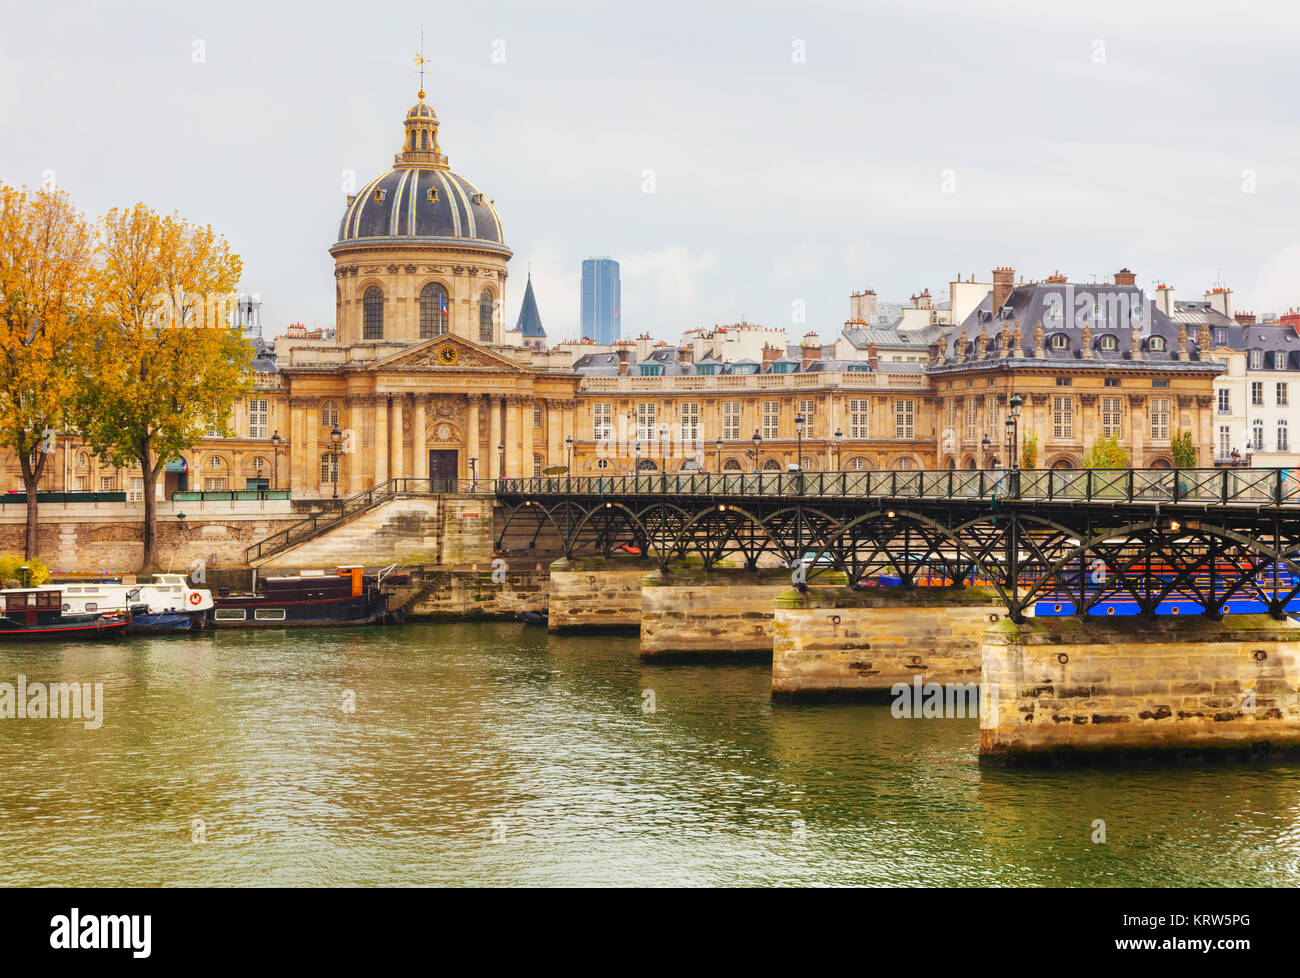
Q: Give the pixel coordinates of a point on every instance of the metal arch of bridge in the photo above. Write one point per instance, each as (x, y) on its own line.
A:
(1084, 536)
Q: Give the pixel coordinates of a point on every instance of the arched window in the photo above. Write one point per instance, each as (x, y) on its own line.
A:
(1108, 342)
(952, 464)
(485, 316)
(433, 311)
(1061, 464)
(731, 465)
(329, 414)
(857, 464)
(771, 465)
(903, 463)
(1160, 463)
(1156, 343)
(1060, 341)
(647, 465)
(372, 308)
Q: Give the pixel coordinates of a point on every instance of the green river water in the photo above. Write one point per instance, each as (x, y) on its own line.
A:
(493, 754)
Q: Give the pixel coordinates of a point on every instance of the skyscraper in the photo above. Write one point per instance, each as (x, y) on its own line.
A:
(602, 300)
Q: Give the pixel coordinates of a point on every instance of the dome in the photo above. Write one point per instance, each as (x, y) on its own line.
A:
(420, 200)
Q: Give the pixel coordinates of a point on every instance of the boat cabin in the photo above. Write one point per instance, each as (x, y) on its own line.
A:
(32, 606)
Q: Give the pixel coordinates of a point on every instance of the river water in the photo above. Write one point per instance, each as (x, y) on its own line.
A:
(490, 754)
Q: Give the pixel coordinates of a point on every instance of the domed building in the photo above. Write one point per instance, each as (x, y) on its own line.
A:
(420, 251)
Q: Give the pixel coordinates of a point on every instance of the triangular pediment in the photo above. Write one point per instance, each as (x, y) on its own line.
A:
(448, 352)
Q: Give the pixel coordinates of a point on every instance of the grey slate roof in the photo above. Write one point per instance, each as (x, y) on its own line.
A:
(530, 320)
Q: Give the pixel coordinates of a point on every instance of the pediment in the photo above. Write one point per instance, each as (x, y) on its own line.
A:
(449, 353)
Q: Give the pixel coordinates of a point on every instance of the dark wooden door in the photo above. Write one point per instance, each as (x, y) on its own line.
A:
(443, 464)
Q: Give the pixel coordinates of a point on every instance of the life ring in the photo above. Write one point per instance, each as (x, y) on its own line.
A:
(196, 598)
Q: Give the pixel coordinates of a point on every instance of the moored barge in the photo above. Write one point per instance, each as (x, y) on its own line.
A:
(348, 596)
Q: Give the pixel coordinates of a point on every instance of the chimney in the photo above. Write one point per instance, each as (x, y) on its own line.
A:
(1220, 298)
(686, 354)
(1057, 278)
(771, 352)
(1245, 318)
(809, 350)
(1165, 298)
(1004, 280)
(623, 357)
(873, 355)
(862, 305)
(1125, 277)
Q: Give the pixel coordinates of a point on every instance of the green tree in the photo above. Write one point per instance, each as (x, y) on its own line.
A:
(1106, 453)
(1029, 452)
(1184, 450)
(167, 363)
(46, 269)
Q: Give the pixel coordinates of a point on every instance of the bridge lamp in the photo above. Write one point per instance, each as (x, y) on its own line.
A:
(798, 430)
(1014, 422)
(501, 450)
(758, 441)
(839, 447)
(568, 446)
(719, 447)
(336, 441)
(1173, 525)
(890, 514)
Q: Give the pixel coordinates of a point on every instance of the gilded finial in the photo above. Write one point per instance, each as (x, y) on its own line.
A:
(420, 62)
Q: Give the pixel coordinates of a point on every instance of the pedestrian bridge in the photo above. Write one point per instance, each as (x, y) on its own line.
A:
(1082, 539)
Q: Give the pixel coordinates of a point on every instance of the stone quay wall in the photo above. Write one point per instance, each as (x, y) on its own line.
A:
(591, 592)
(1167, 686)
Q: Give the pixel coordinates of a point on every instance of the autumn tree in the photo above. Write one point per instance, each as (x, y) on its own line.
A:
(1106, 453)
(1183, 450)
(46, 269)
(167, 361)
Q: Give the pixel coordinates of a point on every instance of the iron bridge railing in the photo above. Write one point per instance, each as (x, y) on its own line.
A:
(1215, 487)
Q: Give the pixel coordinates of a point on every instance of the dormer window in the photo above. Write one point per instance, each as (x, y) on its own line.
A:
(478, 198)
(1256, 359)
(1108, 342)
(379, 195)
(432, 195)
(1156, 343)
(1060, 341)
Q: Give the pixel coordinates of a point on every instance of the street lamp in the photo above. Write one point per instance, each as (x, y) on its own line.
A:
(1014, 423)
(718, 444)
(473, 474)
(753, 453)
(568, 468)
(839, 449)
(336, 441)
(636, 458)
(663, 447)
(798, 430)
(986, 444)
(501, 452)
(275, 464)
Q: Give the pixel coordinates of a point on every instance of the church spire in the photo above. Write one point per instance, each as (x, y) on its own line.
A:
(530, 320)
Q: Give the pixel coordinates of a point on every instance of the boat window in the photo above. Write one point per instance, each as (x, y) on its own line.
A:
(230, 614)
(92, 606)
(269, 614)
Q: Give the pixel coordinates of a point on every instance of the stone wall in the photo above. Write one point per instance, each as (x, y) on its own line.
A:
(1147, 686)
(590, 592)
(722, 609)
(833, 641)
(476, 591)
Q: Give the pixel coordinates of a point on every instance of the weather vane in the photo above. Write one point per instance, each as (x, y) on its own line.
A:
(421, 61)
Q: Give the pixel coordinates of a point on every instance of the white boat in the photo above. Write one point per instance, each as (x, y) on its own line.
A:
(169, 603)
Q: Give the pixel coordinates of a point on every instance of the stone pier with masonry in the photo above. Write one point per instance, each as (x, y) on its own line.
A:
(596, 592)
(1081, 690)
(833, 642)
(720, 610)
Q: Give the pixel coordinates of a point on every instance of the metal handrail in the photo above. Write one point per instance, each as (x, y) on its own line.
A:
(1201, 487)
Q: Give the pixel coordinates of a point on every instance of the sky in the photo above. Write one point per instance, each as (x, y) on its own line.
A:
(754, 161)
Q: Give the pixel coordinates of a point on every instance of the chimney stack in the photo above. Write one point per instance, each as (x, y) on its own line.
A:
(624, 356)
(809, 350)
(686, 354)
(873, 355)
(771, 353)
(1004, 279)
(1125, 277)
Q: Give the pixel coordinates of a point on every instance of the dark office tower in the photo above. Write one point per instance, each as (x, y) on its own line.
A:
(601, 300)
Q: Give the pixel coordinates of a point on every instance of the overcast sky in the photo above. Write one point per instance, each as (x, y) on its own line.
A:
(799, 150)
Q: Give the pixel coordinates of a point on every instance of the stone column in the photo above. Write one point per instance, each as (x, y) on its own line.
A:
(396, 448)
(297, 455)
(352, 464)
(494, 436)
(555, 451)
(381, 439)
(1205, 445)
(526, 439)
(473, 444)
(514, 435)
(1138, 429)
(418, 446)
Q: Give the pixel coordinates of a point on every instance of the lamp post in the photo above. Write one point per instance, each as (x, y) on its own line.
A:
(473, 474)
(501, 453)
(663, 448)
(718, 445)
(636, 458)
(275, 463)
(336, 441)
(985, 445)
(568, 468)
(798, 452)
(1014, 422)
(839, 449)
(753, 453)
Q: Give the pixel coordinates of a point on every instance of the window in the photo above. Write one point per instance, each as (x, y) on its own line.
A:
(268, 614)
(771, 465)
(808, 409)
(1279, 359)
(645, 421)
(859, 419)
(537, 466)
(136, 492)
(731, 420)
(731, 465)
(602, 421)
(329, 414)
(537, 415)
(372, 314)
(105, 483)
(433, 311)
(1111, 416)
(1156, 343)
(690, 422)
(857, 464)
(1220, 337)
(1064, 381)
(329, 468)
(1257, 435)
(1256, 359)
(1108, 342)
(1257, 393)
(258, 465)
(229, 614)
(1225, 401)
(1159, 419)
(992, 423)
(485, 316)
(1225, 441)
(1159, 383)
(1281, 395)
(1060, 341)
(971, 410)
(258, 414)
(1062, 416)
(904, 419)
(1112, 381)
(213, 484)
(771, 419)
(1281, 435)
(949, 421)
(650, 369)
(903, 463)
